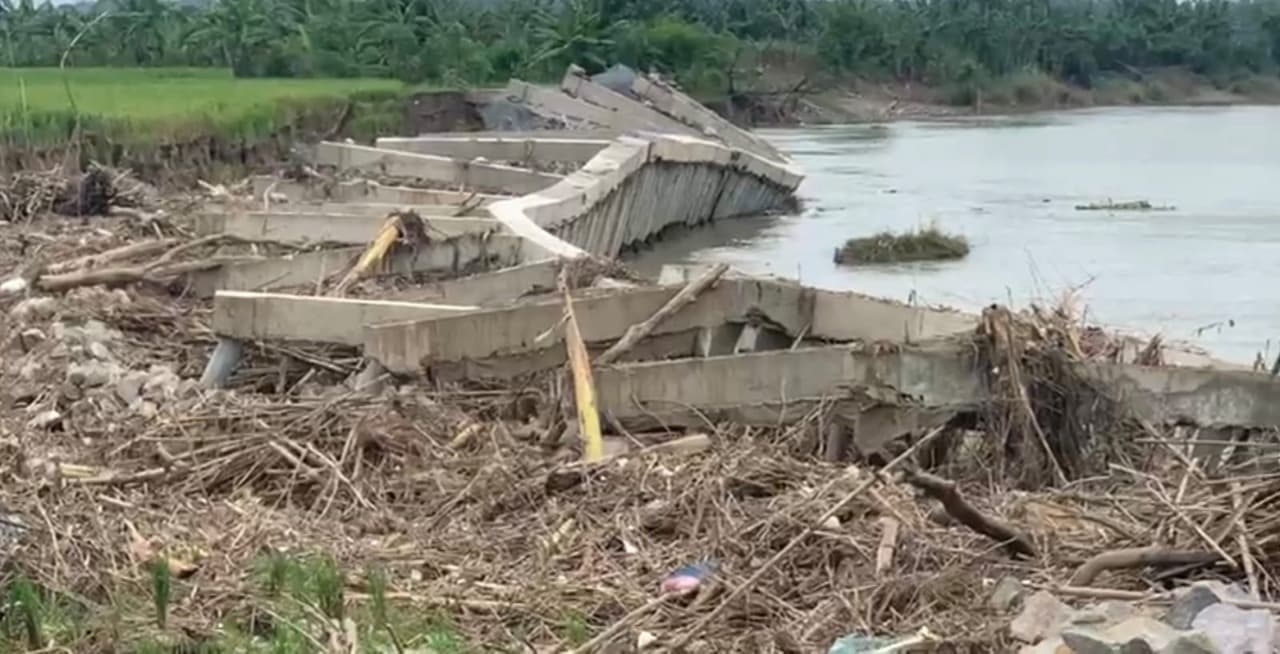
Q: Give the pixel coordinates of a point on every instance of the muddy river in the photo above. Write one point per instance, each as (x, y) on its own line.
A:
(1206, 272)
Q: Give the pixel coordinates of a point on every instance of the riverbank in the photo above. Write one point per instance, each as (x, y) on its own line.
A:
(862, 101)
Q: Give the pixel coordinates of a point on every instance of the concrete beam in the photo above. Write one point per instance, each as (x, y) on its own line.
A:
(454, 256)
(488, 289)
(625, 110)
(363, 190)
(269, 316)
(689, 111)
(1201, 396)
(466, 174)
(601, 134)
(555, 104)
(768, 386)
(306, 227)
(602, 316)
(544, 149)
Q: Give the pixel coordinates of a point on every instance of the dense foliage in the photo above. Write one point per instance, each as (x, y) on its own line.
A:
(472, 41)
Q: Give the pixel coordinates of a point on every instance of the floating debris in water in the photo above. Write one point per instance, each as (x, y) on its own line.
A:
(926, 244)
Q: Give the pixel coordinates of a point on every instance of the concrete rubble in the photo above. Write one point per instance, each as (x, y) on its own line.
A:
(1200, 620)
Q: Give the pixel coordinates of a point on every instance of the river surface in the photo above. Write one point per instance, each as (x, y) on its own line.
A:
(1206, 273)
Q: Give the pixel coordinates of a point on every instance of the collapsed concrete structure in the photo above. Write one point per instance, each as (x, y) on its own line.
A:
(507, 213)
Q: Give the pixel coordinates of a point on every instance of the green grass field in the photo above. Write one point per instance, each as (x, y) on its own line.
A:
(161, 104)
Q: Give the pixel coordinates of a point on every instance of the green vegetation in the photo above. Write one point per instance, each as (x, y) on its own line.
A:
(925, 244)
(165, 105)
(294, 605)
(939, 42)
(1027, 52)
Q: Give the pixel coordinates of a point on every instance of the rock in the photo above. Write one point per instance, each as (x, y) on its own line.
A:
(161, 384)
(1188, 604)
(1192, 643)
(1233, 630)
(99, 351)
(129, 388)
(34, 308)
(45, 420)
(1049, 646)
(1138, 635)
(1007, 593)
(13, 286)
(92, 374)
(1042, 616)
(1104, 614)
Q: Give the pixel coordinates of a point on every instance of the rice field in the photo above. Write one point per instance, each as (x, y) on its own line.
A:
(39, 105)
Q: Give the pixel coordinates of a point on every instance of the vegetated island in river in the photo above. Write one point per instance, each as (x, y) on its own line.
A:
(1130, 205)
(924, 244)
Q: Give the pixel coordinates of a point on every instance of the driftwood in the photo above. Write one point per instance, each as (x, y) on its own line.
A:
(946, 493)
(1138, 557)
(888, 543)
(638, 331)
(116, 254)
(131, 274)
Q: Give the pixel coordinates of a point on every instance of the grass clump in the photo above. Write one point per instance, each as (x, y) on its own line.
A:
(923, 244)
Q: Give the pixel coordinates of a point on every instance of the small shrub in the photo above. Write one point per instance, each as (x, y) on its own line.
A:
(926, 244)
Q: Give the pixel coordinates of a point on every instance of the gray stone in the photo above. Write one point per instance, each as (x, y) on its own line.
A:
(1233, 630)
(1104, 614)
(45, 419)
(1192, 643)
(92, 374)
(161, 384)
(1188, 604)
(1006, 594)
(99, 351)
(1042, 616)
(1138, 635)
(34, 308)
(1048, 646)
(129, 388)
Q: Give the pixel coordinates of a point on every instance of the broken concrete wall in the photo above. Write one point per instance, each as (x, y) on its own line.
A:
(463, 174)
(544, 148)
(637, 187)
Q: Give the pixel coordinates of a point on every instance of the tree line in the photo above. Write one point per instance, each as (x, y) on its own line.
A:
(482, 41)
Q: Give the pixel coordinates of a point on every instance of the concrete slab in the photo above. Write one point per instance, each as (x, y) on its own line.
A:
(541, 149)
(307, 227)
(766, 386)
(359, 190)
(602, 316)
(555, 104)
(270, 316)
(1202, 396)
(625, 110)
(687, 110)
(466, 174)
(488, 289)
(455, 256)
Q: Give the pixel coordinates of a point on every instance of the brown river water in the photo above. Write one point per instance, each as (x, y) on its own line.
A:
(1205, 273)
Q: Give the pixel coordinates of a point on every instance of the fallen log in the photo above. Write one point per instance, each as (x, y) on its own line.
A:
(946, 493)
(1138, 557)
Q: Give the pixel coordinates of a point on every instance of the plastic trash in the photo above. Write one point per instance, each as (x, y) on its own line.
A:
(689, 578)
(862, 644)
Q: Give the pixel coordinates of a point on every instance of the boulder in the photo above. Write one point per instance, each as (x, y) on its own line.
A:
(1042, 616)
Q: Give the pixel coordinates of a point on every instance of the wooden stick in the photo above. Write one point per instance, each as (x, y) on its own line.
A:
(945, 491)
(115, 254)
(1138, 557)
(604, 636)
(584, 385)
(129, 275)
(1242, 539)
(799, 538)
(888, 541)
(1142, 596)
(640, 330)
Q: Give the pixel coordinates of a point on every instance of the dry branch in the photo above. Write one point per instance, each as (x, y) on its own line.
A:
(945, 492)
(1138, 557)
(121, 253)
(639, 331)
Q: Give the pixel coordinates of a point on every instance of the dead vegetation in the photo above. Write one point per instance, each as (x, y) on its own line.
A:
(923, 244)
(468, 505)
